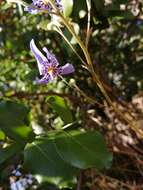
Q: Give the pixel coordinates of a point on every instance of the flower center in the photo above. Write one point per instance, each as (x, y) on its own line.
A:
(50, 70)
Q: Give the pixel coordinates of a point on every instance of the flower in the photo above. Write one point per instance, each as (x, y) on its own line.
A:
(48, 65)
(39, 5)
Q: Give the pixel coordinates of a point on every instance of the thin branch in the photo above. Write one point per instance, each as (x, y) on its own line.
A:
(22, 95)
(88, 2)
(68, 42)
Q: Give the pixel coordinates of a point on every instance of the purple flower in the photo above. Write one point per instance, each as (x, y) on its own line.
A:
(48, 65)
(39, 5)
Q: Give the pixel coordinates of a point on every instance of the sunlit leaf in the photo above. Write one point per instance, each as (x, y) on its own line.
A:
(59, 105)
(67, 7)
(2, 135)
(41, 158)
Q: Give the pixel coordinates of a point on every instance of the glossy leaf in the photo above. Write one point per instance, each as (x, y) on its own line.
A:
(41, 158)
(83, 150)
(14, 121)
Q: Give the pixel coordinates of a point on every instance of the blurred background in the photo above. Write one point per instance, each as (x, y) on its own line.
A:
(116, 48)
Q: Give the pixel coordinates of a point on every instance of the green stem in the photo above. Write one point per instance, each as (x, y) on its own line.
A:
(91, 69)
(68, 42)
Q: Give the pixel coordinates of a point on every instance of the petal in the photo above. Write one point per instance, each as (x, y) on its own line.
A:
(31, 9)
(34, 1)
(58, 4)
(51, 58)
(46, 79)
(67, 69)
(41, 59)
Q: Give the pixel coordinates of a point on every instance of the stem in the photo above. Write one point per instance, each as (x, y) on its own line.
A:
(88, 2)
(89, 99)
(65, 38)
(91, 70)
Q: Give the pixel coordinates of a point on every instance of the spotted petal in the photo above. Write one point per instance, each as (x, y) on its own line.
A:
(67, 69)
(51, 58)
(41, 59)
(31, 9)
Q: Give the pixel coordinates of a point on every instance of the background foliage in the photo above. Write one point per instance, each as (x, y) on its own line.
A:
(52, 136)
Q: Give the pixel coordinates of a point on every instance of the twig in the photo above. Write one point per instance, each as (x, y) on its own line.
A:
(88, 2)
(22, 95)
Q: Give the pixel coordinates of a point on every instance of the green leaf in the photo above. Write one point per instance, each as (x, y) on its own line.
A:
(67, 7)
(41, 158)
(2, 135)
(58, 181)
(43, 24)
(83, 150)
(60, 106)
(9, 151)
(14, 121)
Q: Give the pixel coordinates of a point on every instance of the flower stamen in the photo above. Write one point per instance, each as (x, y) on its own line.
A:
(50, 70)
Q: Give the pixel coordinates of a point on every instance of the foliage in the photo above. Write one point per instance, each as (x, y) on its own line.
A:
(61, 132)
